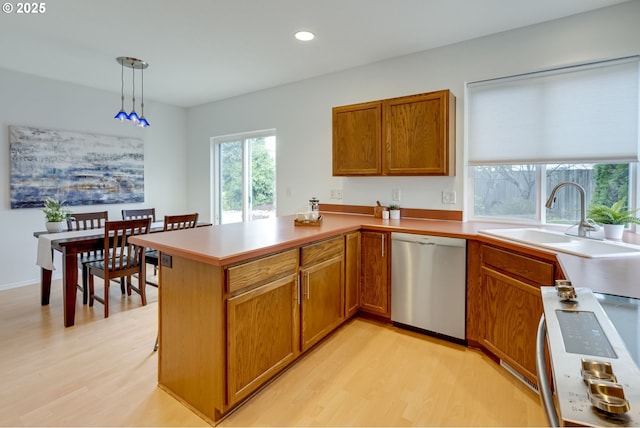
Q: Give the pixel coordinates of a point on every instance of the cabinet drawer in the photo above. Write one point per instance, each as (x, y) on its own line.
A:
(534, 271)
(262, 270)
(321, 251)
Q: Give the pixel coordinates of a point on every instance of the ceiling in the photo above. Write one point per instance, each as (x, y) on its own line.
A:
(206, 50)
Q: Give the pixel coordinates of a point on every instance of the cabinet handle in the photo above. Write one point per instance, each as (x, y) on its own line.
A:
(308, 287)
(383, 236)
(297, 298)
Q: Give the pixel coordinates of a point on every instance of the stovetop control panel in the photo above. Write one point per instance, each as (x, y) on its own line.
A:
(596, 381)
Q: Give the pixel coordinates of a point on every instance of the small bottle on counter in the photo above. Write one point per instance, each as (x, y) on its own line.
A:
(314, 208)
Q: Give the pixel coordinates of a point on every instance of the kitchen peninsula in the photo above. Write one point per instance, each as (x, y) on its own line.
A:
(239, 302)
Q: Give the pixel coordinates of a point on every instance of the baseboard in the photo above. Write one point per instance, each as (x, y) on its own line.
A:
(519, 376)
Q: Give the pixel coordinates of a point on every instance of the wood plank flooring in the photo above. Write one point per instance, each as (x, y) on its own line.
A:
(103, 372)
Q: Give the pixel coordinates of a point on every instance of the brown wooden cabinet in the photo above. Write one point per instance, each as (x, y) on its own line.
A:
(504, 304)
(375, 292)
(357, 139)
(412, 135)
(263, 335)
(322, 289)
(352, 274)
(262, 320)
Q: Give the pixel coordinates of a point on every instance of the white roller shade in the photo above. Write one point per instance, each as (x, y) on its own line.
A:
(586, 113)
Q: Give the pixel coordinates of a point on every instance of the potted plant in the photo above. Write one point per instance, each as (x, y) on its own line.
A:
(394, 211)
(55, 214)
(613, 218)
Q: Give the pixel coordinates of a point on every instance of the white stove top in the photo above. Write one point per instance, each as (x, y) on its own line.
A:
(580, 329)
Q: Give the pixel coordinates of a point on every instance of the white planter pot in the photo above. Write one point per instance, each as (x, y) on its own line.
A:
(56, 226)
(613, 231)
(394, 214)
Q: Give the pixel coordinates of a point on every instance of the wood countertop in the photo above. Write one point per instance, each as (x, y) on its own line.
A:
(232, 243)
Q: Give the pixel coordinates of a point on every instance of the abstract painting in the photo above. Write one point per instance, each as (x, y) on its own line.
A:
(73, 167)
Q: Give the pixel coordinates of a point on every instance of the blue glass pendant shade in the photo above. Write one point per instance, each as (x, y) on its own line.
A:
(133, 117)
(121, 116)
(143, 123)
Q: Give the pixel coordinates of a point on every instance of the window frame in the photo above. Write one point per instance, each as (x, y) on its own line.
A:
(215, 170)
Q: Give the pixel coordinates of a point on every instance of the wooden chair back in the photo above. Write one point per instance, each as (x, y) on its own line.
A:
(182, 221)
(123, 258)
(139, 213)
(83, 221)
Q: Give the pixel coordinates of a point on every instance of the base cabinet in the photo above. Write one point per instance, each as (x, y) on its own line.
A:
(508, 291)
(278, 307)
(263, 335)
(322, 300)
(375, 294)
(512, 312)
(352, 274)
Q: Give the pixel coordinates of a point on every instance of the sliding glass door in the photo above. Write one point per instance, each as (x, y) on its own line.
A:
(244, 177)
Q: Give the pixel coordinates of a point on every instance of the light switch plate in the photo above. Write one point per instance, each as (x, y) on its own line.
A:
(395, 194)
(448, 197)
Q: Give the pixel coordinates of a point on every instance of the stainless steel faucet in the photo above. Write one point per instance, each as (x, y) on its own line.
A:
(584, 226)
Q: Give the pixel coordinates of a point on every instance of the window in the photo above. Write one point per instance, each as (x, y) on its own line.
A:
(519, 192)
(527, 133)
(244, 177)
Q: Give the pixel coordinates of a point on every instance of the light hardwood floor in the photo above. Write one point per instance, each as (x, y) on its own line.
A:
(103, 372)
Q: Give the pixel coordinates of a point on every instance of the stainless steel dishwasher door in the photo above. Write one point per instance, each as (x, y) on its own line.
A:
(428, 283)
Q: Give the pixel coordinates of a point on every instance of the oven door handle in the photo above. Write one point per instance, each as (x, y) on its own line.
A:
(546, 394)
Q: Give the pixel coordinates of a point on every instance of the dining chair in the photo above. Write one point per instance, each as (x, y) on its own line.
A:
(84, 221)
(139, 213)
(122, 259)
(171, 222)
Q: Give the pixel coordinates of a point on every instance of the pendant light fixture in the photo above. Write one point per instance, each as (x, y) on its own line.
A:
(142, 122)
(122, 115)
(133, 64)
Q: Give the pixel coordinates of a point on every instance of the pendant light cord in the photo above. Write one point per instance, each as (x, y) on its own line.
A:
(142, 93)
(133, 71)
(122, 84)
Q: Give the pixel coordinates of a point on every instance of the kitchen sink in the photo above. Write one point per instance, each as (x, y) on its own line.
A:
(557, 241)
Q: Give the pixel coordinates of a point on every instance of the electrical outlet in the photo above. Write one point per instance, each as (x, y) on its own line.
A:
(448, 197)
(395, 194)
(336, 194)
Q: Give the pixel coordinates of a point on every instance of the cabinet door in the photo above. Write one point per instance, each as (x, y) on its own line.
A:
(322, 299)
(357, 139)
(352, 274)
(419, 135)
(374, 286)
(262, 335)
(512, 310)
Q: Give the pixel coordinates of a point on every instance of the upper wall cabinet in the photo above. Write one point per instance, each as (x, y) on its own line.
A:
(357, 139)
(412, 135)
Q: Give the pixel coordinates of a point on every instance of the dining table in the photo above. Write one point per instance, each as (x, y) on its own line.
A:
(70, 244)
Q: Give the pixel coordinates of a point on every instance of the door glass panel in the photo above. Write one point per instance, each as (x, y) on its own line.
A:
(247, 179)
(231, 182)
(263, 177)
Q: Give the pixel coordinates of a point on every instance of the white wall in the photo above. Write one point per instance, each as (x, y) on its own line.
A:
(301, 112)
(32, 101)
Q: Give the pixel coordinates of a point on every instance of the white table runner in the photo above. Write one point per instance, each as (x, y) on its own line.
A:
(45, 257)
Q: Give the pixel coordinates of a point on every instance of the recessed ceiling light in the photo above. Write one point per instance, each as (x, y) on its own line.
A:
(304, 36)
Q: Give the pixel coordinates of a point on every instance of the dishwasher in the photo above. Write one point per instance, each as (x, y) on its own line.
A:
(428, 284)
